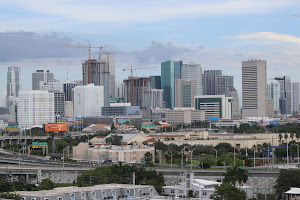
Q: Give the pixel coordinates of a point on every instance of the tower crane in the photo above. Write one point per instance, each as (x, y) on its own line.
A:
(131, 79)
(89, 61)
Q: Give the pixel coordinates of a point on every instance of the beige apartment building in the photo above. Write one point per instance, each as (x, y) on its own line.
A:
(127, 153)
(184, 115)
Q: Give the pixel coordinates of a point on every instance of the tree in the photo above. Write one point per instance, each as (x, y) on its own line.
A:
(280, 137)
(292, 135)
(208, 161)
(46, 184)
(228, 192)
(148, 157)
(286, 136)
(286, 180)
(114, 140)
(224, 148)
(235, 174)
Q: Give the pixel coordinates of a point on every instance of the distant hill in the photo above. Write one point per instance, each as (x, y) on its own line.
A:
(3, 111)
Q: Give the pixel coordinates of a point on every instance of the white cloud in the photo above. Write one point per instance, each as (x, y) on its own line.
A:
(268, 36)
(145, 11)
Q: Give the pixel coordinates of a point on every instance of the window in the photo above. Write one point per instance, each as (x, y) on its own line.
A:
(72, 196)
(93, 195)
(33, 199)
(113, 192)
(204, 193)
(82, 195)
(180, 191)
(59, 198)
(172, 191)
(127, 192)
(103, 194)
(151, 191)
(140, 192)
(188, 176)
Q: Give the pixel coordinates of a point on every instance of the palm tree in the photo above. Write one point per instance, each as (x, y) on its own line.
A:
(286, 137)
(280, 137)
(292, 135)
(235, 174)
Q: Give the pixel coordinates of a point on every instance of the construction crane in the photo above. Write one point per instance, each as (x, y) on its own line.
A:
(89, 61)
(131, 80)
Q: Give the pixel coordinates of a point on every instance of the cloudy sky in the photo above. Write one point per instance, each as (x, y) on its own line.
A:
(218, 34)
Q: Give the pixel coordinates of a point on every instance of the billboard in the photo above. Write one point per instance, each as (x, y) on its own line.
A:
(213, 119)
(13, 127)
(55, 128)
(274, 123)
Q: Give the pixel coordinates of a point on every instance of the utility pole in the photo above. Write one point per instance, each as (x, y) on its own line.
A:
(133, 178)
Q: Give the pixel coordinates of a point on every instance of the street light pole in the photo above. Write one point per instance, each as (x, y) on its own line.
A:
(287, 152)
(20, 156)
(216, 153)
(64, 156)
(171, 159)
(192, 158)
(254, 156)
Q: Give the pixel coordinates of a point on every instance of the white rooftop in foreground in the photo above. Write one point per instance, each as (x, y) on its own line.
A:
(293, 191)
(206, 182)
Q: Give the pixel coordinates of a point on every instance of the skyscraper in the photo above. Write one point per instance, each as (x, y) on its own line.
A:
(224, 83)
(68, 90)
(285, 100)
(273, 92)
(254, 88)
(209, 81)
(88, 100)
(157, 98)
(41, 75)
(141, 91)
(35, 108)
(120, 89)
(155, 82)
(295, 96)
(168, 83)
(13, 84)
(184, 93)
(235, 102)
(193, 72)
(110, 59)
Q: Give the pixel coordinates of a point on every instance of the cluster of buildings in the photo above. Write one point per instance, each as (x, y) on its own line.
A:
(182, 94)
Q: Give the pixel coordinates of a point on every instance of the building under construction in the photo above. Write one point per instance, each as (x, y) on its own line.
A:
(141, 91)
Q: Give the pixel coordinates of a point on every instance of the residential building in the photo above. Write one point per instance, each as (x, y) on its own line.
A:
(285, 101)
(13, 85)
(117, 111)
(155, 82)
(13, 116)
(105, 191)
(109, 58)
(88, 100)
(270, 108)
(193, 72)
(184, 116)
(120, 90)
(52, 85)
(100, 76)
(231, 92)
(36, 107)
(215, 106)
(209, 81)
(254, 88)
(157, 98)
(154, 114)
(124, 153)
(141, 91)
(68, 90)
(41, 75)
(69, 112)
(170, 70)
(184, 93)
(295, 97)
(273, 92)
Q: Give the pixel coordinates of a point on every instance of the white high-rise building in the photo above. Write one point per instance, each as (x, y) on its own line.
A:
(193, 72)
(35, 108)
(88, 100)
(157, 98)
(254, 87)
(273, 92)
(41, 75)
(120, 89)
(295, 96)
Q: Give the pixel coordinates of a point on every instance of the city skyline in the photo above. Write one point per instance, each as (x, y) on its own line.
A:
(220, 39)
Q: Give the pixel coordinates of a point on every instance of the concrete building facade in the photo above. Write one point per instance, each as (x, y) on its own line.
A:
(157, 98)
(184, 116)
(41, 75)
(285, 101)
(155, 82)
(68, 90)
(184, 93)
(273, 92)
(215, 106)
(254, 88)
(193, 72)
(35, 108)
(295, 97)
(13, 85)
(235, 102)
(88, 100)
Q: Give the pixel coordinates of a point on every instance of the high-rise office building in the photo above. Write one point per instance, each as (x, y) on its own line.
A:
(110, 59)
(51, 86)
(184, 93)
(193, 72)
(168, 83)
(273, 92)
(36, 107)
(69, 111)
(285, 101)
(141, 91)
(224, 83)
(155, 82)
(235, 102)
(88, 100)
(41, 75)
(177, 69)
(295, 97)
(254, 88)
(68, 90)
(209, 81)
(13, 85)
(157, 98)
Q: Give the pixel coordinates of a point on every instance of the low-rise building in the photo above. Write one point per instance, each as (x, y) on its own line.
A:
(105, 191)
(124, 153)
(184, 116)
(292, 194)
(126, 138)
(97, 127)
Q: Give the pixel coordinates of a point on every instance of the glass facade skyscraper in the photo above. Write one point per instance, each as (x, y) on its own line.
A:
(167, 83)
